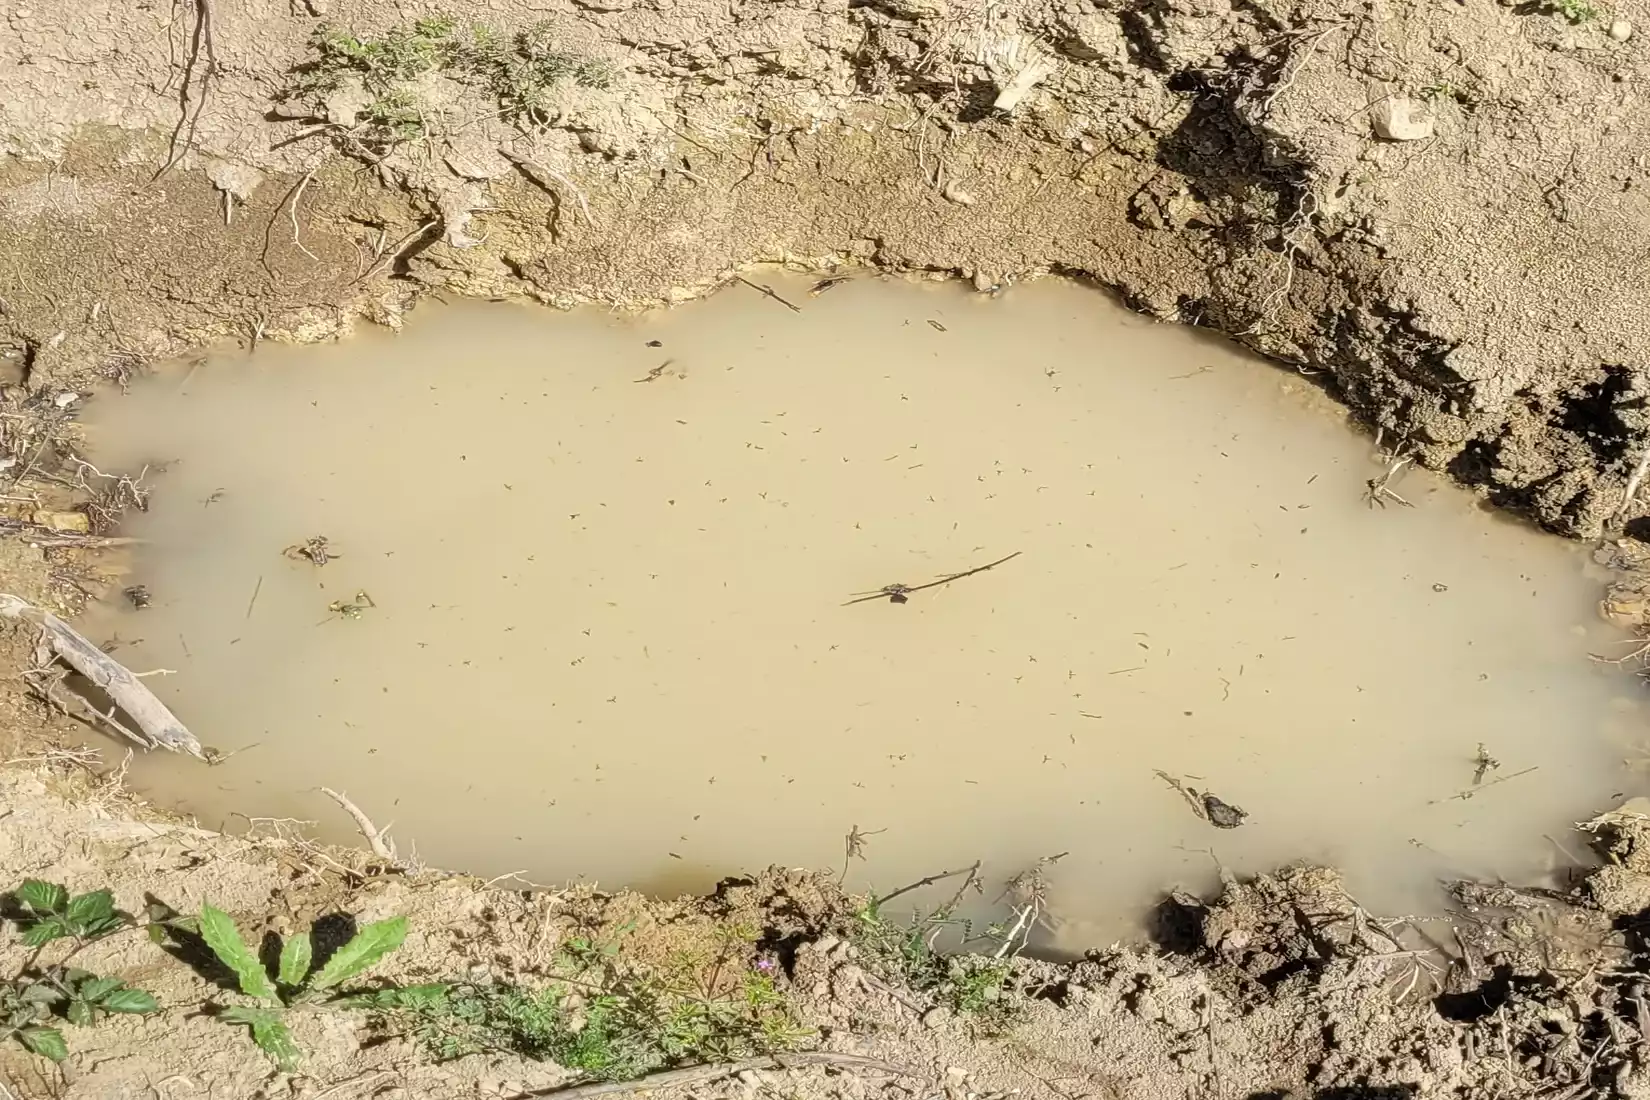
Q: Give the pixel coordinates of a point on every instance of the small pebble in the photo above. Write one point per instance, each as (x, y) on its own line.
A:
(64, 400)
(1621, 30)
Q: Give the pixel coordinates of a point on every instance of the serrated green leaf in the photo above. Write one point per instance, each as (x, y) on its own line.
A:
(296, 954)
(274, 1039)
(45, 1041)
(41, 993)
(44, 932)
(219, 932)
(83, 909)
(407, 996)
(131, 1000)
(239, 1014)
(79, 1013)
(42, 897)
(102, 926)
(95, 989)
(269, 1031)
(370, 944)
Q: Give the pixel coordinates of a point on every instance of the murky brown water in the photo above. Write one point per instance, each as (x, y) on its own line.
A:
(608, 636)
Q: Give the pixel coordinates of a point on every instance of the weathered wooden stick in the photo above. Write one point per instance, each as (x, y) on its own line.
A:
(159, 726)
(377, 839)
(697, 1075)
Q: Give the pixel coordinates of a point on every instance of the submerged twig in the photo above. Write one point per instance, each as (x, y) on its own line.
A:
(1470, 791)
(853, 847)
(971, 870)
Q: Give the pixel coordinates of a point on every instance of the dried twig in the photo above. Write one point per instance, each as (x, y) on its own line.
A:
(1030, 890)
(698, 1075)
(292, 211)
(900, 593)
(399, 250)
(1633, 482)
(769, 292)
(1470, 791)
(853, 847)
(377, 839)
(972, 870)
(533, 170)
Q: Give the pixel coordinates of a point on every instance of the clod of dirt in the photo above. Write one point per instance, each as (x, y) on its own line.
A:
(1401, 119)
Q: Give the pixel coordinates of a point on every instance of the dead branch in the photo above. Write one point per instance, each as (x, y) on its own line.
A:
(698, 1075)
(377, 839)
(1633, 483)
(538, 173)
(769, 292)
(972, 870)
(385, 260)
(292, 210)
(157, 726)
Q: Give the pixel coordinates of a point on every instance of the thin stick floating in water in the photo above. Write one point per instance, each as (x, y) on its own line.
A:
(771, 293)
(899, 593)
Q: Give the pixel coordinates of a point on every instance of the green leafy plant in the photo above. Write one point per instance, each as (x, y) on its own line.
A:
(1576, 11)
(296, 981)
(405, 52)
(47, 913)
(526, 73)
(50, 913)
(906, 954)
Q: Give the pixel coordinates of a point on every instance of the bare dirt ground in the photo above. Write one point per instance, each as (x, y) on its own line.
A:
(1281, 987)
(1436, 209)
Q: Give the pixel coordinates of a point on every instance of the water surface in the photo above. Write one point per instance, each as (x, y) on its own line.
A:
(607, 634)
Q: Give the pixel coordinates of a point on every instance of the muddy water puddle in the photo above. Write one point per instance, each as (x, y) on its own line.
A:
(582, 611)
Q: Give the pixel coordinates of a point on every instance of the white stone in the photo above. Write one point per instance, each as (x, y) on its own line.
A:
(1399, 118)
(1621, 30)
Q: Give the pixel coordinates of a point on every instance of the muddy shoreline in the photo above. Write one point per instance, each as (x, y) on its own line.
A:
(1468, 289)
(1436, 213)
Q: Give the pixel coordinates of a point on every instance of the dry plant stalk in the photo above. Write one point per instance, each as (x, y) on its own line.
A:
(377, 839)
(157, 726)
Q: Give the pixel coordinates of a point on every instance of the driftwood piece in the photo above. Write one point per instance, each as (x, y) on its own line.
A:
(157, 727)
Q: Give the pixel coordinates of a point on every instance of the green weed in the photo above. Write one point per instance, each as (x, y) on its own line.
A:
(1576, 11)
(603, 1018)
(404, 53)
(296, 981)
(525, 73)
(905, 954)
(45, 913)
